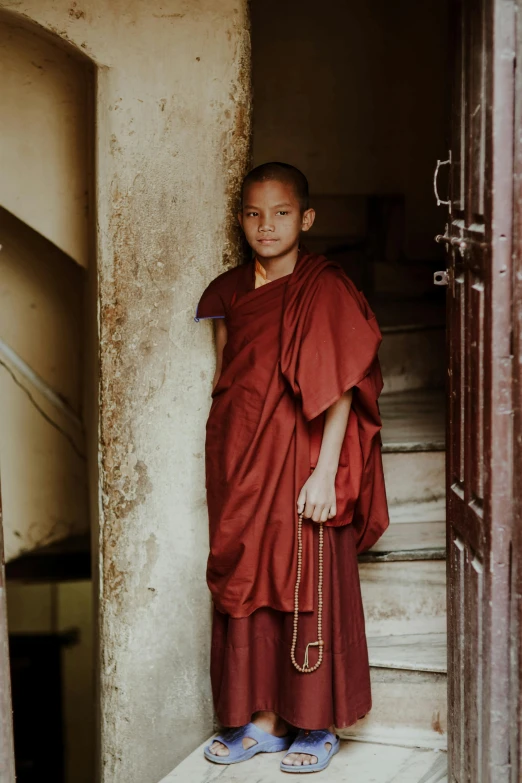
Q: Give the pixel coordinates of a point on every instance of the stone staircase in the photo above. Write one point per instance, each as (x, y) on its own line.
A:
(403, 581)
(403, 577)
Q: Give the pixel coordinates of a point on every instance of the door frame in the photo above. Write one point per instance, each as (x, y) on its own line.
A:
(516, 582)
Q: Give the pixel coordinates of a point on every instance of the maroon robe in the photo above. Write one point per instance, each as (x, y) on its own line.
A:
(294, 346)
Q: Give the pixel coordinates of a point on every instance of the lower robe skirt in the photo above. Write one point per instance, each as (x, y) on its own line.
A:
(251, 668)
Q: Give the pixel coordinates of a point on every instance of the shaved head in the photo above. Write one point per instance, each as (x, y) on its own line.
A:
(279, 172)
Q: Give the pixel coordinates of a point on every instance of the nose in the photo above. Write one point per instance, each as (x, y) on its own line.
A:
(265, 226)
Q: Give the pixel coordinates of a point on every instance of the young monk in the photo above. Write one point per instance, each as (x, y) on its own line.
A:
(294, 485)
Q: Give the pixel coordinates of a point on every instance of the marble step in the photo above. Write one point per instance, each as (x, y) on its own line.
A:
(363, 762)
(409, 708)
(405, 598)
(433, 510)
(413, 420)
(409, 541)
(414, 478)
(413, 652)
(413, 358)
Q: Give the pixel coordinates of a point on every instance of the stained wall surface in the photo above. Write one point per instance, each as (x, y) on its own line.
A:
(171, 143)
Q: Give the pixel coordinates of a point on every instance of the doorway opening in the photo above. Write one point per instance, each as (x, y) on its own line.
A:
(357, 96)
(48, 392)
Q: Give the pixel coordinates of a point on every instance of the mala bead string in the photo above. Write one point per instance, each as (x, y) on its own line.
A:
(306, 668)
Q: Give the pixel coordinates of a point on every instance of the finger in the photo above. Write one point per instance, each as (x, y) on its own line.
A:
(333, 512)
(301, 501)
(324, 515)
(309, 509)
(318, 510)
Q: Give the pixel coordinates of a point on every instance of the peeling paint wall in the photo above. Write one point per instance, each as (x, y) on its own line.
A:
(172, 140)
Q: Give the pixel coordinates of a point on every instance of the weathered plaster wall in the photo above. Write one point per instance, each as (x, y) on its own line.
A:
(43, 160)
(172, 138)
(42, 460)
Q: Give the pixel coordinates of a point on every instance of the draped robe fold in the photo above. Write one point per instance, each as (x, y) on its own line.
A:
(293, 348)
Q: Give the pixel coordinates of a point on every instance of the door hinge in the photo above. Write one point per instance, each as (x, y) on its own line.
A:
(441, 278)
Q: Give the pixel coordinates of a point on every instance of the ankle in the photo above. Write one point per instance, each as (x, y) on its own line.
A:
(269, 721)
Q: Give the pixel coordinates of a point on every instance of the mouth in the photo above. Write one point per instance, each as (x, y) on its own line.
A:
(266, 241)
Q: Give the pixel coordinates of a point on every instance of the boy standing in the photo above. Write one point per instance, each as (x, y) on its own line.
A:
(294, 486)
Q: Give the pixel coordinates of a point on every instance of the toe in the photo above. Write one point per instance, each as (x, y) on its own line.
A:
(218, 749)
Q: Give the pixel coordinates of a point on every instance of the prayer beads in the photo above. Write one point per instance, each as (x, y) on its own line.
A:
(306, 668)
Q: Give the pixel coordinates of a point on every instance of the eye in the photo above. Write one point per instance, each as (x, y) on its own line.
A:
(282, 212)
(252, 214)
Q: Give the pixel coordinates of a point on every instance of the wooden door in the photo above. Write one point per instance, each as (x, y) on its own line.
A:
(480, 421)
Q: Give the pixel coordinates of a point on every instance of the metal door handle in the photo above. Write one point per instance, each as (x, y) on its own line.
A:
(435, 177)
(453, 241)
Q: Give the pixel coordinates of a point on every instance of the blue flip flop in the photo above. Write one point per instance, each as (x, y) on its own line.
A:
(233, 740)
(313, 743)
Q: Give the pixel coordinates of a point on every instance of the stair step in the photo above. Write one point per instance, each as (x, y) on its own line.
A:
(414, 652)
(413, 420)
(414, 478)
(413, 359)
(418, 511)
(409, 541)
(404, 598)
(409, 707)
(355, 761)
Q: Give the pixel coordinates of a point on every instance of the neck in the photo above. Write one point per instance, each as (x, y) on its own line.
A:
(280, 265)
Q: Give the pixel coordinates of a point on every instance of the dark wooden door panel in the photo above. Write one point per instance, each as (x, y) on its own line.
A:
(480, 421)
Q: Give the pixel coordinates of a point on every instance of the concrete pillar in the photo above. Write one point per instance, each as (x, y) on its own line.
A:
(171, 140)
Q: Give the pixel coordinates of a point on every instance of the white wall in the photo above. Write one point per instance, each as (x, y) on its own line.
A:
(43, 472)
(43, 156)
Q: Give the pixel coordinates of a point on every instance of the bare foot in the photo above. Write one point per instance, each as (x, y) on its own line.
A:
(305, 759)
(266, 721)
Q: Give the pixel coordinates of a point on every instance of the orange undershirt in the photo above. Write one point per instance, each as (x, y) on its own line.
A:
(260, 275)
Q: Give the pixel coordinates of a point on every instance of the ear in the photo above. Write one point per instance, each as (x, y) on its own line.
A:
(307, 220)
(240, 218)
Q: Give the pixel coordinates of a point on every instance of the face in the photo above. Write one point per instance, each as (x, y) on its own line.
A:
(271, 218)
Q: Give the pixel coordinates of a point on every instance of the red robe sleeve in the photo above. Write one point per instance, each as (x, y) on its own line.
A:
(220, 294)
(212, 303)
(331, 347)
(337, 346)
